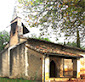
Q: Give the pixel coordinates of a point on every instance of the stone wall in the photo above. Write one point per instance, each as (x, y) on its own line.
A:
(34, 65)
(17, 61)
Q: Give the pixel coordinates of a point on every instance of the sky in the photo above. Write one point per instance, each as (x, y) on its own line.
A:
(6, 12)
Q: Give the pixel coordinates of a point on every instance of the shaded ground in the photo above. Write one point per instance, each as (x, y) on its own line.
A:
(22, 80)
(14, 80)
(77, 80)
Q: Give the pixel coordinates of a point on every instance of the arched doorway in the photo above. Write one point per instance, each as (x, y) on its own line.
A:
(52, 69)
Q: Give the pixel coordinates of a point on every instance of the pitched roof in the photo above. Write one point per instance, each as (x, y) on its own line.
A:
(64, 46)
(49, 48)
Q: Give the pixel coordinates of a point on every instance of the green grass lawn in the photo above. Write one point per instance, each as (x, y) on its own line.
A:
(14, 80)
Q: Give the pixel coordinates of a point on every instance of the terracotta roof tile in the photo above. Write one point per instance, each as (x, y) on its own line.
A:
(52, 51)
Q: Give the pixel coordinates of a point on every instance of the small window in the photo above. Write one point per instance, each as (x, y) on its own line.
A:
(13, 28)
(25, 30)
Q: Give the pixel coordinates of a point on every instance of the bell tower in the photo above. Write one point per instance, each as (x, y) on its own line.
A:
(17, 29)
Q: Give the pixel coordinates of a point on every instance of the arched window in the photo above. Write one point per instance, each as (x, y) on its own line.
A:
(52, 69)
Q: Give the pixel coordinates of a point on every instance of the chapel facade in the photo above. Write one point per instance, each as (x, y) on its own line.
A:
(39, 60)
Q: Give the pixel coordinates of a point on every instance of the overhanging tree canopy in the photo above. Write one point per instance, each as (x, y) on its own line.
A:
(66, 15)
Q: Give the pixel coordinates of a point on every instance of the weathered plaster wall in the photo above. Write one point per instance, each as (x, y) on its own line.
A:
(22, 40)
(17, 61)
(14, 38)
(4, 64)
(34, 65)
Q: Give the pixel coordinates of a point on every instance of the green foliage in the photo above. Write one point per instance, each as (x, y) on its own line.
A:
(72, 44)
(83, 47)
(41, 38)
(74, 16)
(46, 39)
(4, 39)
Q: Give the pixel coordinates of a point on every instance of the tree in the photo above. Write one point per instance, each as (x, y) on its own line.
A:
(72, 44)
(66, 15)
(4, 39)
(74, 16)
(40, 38)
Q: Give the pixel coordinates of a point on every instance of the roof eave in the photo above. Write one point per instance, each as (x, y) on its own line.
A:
(63, 55)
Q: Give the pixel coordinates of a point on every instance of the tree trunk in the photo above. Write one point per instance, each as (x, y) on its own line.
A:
(78, 39)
